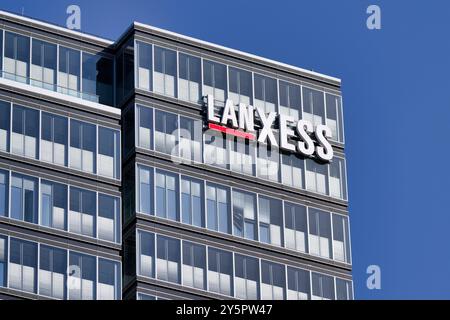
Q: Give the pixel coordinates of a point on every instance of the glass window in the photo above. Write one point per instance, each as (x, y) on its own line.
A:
(218, 208)
(246, 273)
(82, 212)
(313, 106)
(319, 233)
(242, 155)
(145, 129)
(5, 110)
(244, 215)
(164, 81)
(1, 55)
(271, 221)
(53, 205)
(145, 192)
(240, 90)
(296, 228)
(168, 259)
(167, 195)
(341, 245)
(3, 260)
(108, 152)
(298, 284)
(125, 71)
(268, 162)
(215, 81)
(69, 71)
(316, 177)
(98, 75)
(344, 289)
(266, 93)
(189, 78)
(190, 146)
(24, 198)
(43, 65)
(334, 117)
(52, 272)
(273, 281)
(109, 284)
(143, 296)
(220, 271)
(192, 202)
(108, 218)
(54, 136)
(83, 146)
(4, 194)
(23, 265)
(144, 65)
(17, 57)
(25, 132)
(146, 254)
(82, 276)
(290, 100)
(166, 133)
(322, 287)
(337, 179)
(292, 170)
(194, 265)
(216, 151)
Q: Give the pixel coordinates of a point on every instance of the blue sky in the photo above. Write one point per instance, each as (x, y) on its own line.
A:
(396, 105)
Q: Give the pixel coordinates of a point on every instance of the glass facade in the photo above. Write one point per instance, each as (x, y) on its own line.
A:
(200, 213)
(232, 274)
(45, 136)
(58, 68)
(182, 138)
(243, 214)
(60, 206)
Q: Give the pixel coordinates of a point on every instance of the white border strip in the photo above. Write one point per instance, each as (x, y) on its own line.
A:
(57, 95)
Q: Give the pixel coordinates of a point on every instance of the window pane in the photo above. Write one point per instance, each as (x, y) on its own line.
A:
(17, 57)
(4, 187)
(145, 129)
(83, 143)
(145, 191)
(168, 259)
(109, 152)
(273, 280)
(271, 216)
(194, 265)
(298, 284)
(246, 277)
(316, 177)
(82, 214)
(54, 132)
(24, 198)
(146, 254)
(190, 145)
(266, 93)
(220, 271)
(167, 195)
(144, 65)
(52, 272)
(344, 289)
(322, 287)
(3, 260)
(319, 233)
(5, 110)
(313, 106)
(166, 139)
(290, 100)
(83, 277)
(25, 131)
(109, 284)
(218, 208)
(192, 202)
(189, 78)
(240, 86)
(108, 218)
(22, 265)
(43, 64)
(53, 205)
(215, 81)
(98, 75)
(244, 215)
(69, 71)
(296, 229)
(165, 72)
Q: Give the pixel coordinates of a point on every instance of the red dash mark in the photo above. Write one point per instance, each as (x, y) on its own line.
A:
(233, 132)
